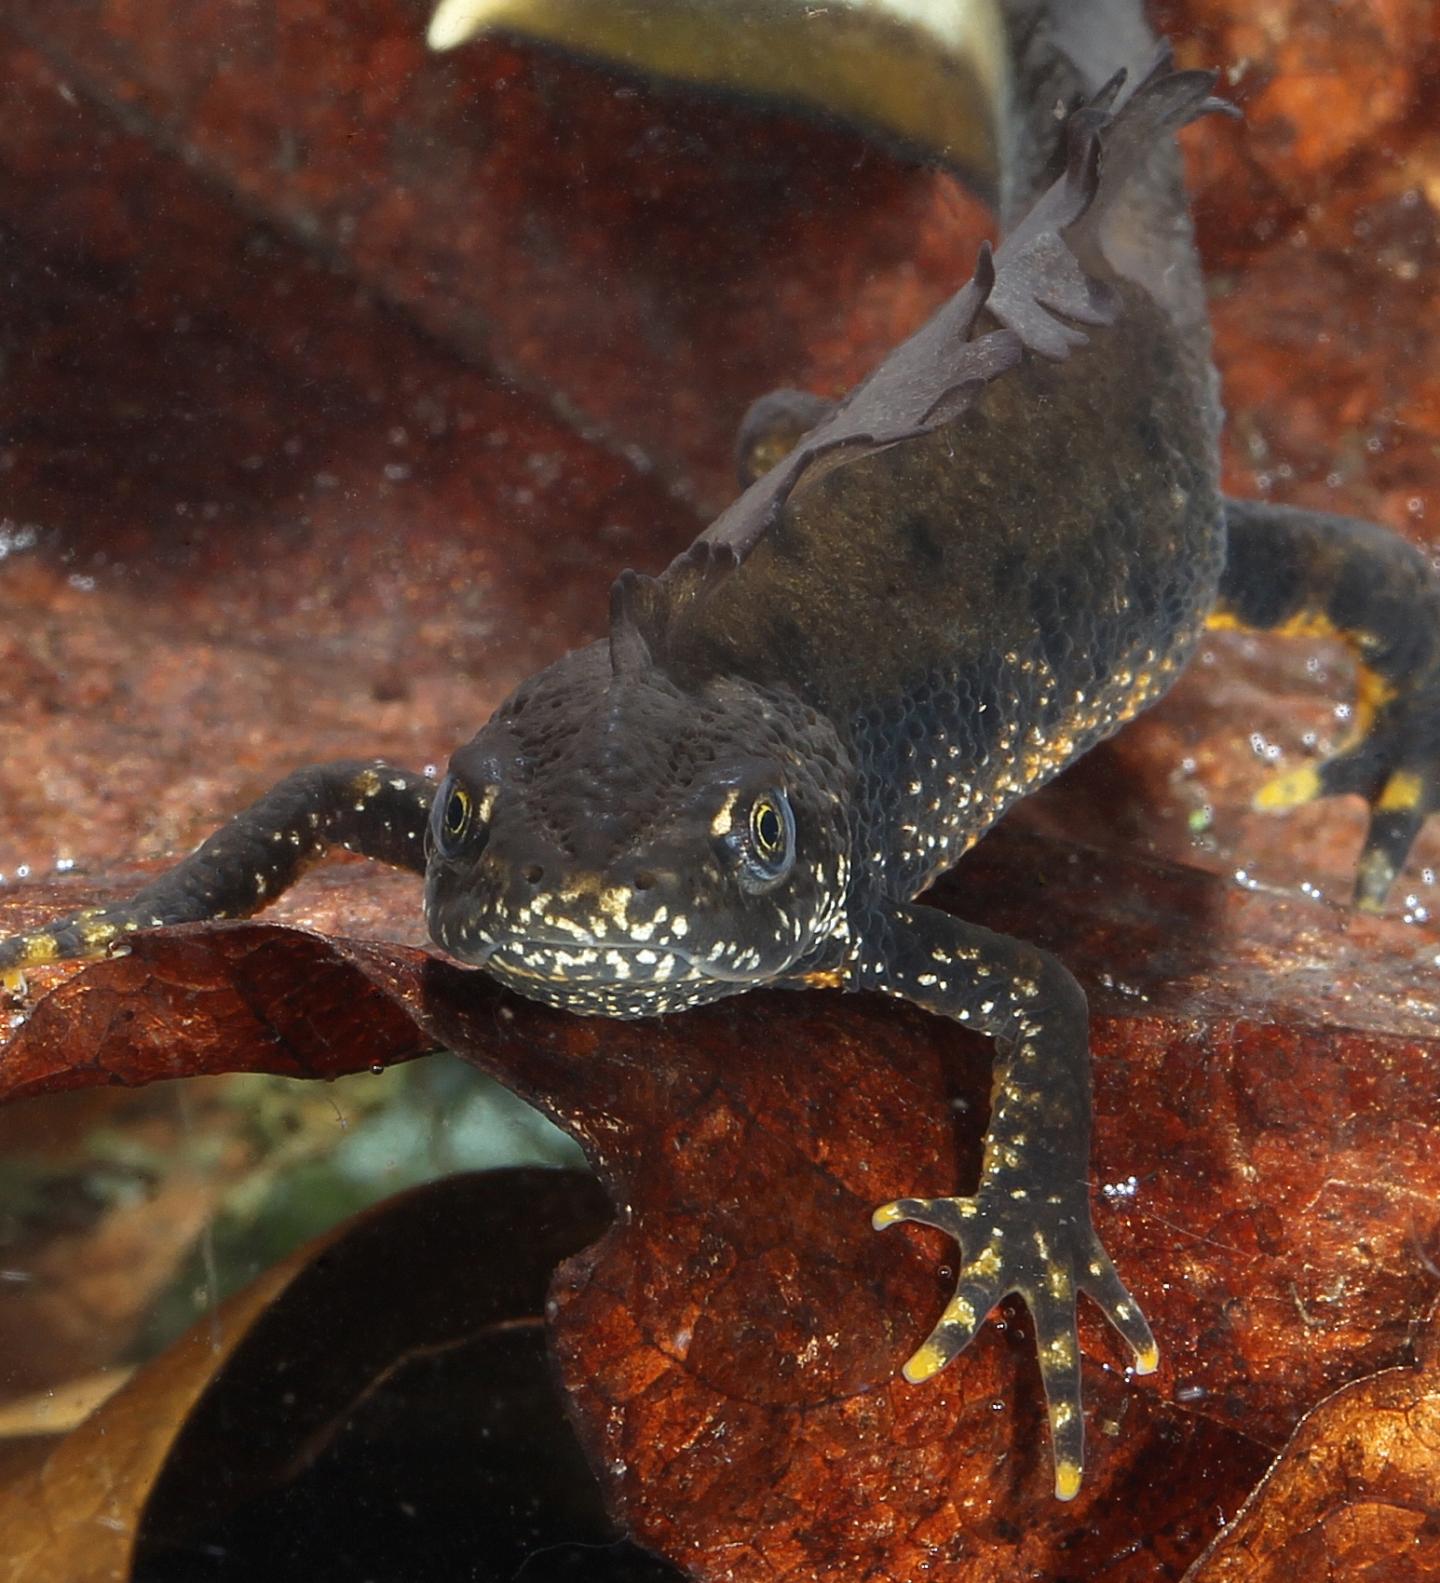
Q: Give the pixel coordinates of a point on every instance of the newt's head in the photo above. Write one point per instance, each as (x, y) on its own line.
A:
(624, 844)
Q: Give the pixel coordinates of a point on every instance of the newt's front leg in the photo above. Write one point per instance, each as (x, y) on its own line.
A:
(368, 807)
(1028, 1227)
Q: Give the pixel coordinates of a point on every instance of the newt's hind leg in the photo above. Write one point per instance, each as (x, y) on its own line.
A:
(1302, 573)
(366, 806)
(773, 425)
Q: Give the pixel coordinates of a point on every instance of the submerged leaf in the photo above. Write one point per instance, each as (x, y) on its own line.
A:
(209, 1462)
(1354, 1495)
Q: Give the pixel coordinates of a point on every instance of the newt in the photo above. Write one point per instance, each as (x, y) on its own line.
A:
(926, 601)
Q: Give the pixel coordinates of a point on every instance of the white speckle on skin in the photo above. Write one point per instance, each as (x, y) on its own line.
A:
(614, 902)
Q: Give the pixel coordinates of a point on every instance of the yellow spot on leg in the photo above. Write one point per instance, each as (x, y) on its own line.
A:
(1402, 792)
(926, 1364)
(1059, 1352)
(1289, 790)
(1372, 694)
(1375, 876)
(985, 1266)
(1067, 1480)
(39, 949)
(1148, 1360)
(887, 1215)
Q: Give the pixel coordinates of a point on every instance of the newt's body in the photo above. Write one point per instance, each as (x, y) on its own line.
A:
(1000, 547)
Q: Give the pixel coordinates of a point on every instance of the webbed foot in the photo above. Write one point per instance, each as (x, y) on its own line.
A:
(1047, 1253)
(1028, 1227)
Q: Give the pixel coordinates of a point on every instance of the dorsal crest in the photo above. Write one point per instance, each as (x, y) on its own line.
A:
(632, 625)
(644, 610)
(1043, 292)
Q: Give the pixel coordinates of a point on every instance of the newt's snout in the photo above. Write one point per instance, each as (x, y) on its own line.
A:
(626, 941)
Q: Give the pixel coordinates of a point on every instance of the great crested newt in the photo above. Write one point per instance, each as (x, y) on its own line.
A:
(927, 600)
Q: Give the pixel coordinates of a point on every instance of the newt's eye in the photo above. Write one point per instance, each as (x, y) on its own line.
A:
(454, 819)
(769, 847)
(457, 813)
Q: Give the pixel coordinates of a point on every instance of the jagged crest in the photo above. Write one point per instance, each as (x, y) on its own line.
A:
(644, 609)
(631, 613)
(1041, 292)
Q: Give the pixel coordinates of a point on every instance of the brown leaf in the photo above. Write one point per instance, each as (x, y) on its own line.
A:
(733, 1346)
(251, 519)
(209, 999)
(54, 1412)
(636, 273)
(739, 1334)
(75, 1515)
(85, 1292)
(1354, 1495)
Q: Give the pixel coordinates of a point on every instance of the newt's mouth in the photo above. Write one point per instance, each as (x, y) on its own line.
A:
(601, 962)
(622, 980)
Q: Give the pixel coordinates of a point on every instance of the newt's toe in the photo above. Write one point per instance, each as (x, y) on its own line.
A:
(1402, 790)
(1048, 1260)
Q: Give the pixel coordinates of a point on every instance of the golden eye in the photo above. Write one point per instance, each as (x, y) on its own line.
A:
(769, 844)
(767, 830)
(458, 808)
(459, 823)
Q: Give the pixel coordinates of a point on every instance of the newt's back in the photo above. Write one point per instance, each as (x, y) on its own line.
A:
(975, 607)
(976, 593)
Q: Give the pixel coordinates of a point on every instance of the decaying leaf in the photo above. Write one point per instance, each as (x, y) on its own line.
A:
(56, 1412)
(1354, 1495)
(732, 1347)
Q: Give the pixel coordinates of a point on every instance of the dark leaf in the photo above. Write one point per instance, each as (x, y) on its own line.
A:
(416, 1331)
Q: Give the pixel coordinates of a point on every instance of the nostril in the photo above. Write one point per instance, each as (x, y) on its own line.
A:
(534, 874)
(645, 880)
